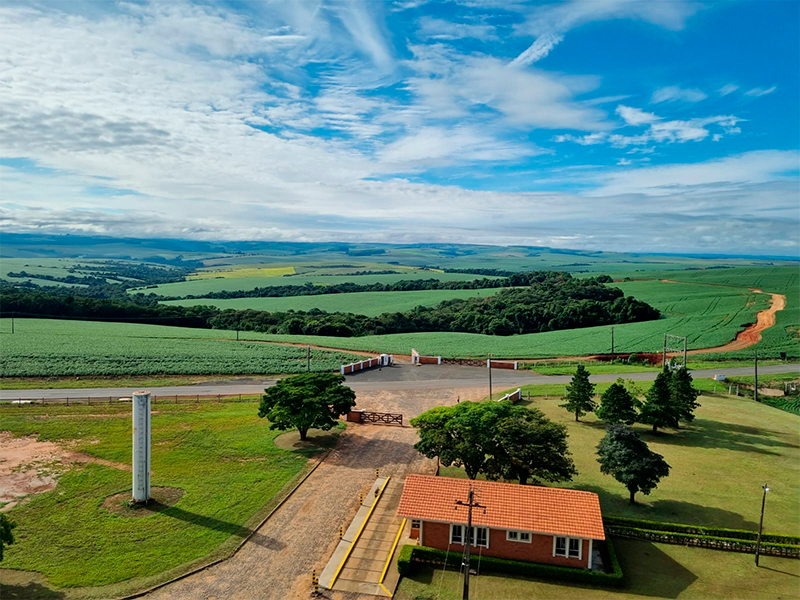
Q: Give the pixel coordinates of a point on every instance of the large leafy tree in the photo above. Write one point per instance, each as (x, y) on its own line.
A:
(310, 400)
(578, 398)
(6, 535)
(658, 409)
(617, 405)
(462, 435)
(684, 394)
(531, 446)
(623, 455)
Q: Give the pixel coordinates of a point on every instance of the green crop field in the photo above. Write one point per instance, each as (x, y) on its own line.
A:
(708, 316)
(363, 303)
(50, 348)
(198, 287)
(221, 456)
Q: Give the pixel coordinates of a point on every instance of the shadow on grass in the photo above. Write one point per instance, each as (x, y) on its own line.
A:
(704, 433)
(224, 527)
(651, 572)
(671, 511)
(28, 591)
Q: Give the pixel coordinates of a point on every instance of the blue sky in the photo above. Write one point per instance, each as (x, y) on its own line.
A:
(661, 126)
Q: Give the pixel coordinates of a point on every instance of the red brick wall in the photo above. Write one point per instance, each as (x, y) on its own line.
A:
(429, 360)
(437, 535)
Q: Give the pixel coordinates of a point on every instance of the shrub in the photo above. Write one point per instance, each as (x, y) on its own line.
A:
(741, 534)
(515, 567)
(404, 559)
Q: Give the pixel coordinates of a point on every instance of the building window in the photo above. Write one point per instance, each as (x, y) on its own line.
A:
(518, 536)
(560, 547)
(479, 537)
(456, 534)
(415, 523)
(568, 547)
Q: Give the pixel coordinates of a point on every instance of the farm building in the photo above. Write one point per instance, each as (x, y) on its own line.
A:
(520, 522)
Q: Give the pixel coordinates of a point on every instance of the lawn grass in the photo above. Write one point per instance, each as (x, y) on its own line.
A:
(719, 464)
(598, 368)
(221, 455)
(140, 381)
(371, 304)
(651, 571)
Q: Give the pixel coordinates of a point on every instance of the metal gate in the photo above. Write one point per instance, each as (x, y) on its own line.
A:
(387, 418)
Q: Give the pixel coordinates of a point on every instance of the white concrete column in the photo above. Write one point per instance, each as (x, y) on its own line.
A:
(141, 446)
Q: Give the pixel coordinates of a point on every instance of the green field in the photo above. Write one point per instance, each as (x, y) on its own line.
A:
(221, 455)
(50, 348)
(718, 465)
(651, 571)
(371, 304)
(198, 287)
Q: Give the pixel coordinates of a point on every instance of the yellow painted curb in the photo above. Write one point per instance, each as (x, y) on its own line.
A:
(391, 553)
(358, 535)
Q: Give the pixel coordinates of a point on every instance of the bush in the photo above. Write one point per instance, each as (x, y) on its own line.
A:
(515, 567)
(740, 534)
(404, 559)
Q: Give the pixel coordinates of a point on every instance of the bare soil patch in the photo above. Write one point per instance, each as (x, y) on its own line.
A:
(28, 466)
(161, 498)
(317, 440)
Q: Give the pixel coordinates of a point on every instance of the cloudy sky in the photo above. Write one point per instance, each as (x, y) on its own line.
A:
(660, 126)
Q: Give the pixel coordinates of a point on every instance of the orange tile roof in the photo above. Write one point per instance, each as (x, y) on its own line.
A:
(534, 508)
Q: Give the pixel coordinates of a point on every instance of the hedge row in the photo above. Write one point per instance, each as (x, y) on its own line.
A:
(739, 534)
(421, 554)
(706, 541)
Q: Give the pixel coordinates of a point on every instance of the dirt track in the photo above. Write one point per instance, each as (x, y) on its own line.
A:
(752, 334)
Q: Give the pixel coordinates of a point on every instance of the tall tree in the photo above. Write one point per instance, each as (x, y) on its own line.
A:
(579, 394)
(627, 458)
(462, 435)
(684, 394)
(531, 446)
(310, 400)
(6, 535)
(617, 405)
(658, 409)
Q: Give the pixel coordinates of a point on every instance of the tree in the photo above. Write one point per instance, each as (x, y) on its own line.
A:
(6, 535)
(531, 446)
(462, 435)
(305, 401)
(579, 394)
(658, 409)
(617, 405)
(684, 394)
(627, 458)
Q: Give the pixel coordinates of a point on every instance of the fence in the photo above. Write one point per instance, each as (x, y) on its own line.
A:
(514, 396)
(417, 359)
(498, 364)
(384, 360)
(106, 400)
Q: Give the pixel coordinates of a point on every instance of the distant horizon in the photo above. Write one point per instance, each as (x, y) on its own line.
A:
(391, 244)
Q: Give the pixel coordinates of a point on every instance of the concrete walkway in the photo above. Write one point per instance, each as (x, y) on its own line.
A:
(364, 560)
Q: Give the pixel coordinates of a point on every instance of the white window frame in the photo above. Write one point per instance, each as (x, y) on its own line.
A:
(461, 534)
(474, 536)
(566, 546)
(514, 535)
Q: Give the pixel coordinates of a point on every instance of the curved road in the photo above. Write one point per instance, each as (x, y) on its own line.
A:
(397, 378)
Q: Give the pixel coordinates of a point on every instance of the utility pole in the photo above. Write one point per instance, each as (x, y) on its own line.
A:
(761, 522)
(308, 358)
(489, 364)
(470, 503)
(612, 339)
(755, 385)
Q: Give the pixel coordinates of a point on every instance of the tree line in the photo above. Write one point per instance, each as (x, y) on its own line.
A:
(551, 301)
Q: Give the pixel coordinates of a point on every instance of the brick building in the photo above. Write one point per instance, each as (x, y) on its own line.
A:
(521, 522)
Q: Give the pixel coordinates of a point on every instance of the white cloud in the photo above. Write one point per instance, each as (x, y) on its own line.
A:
(757, 91)
(674, 93)
(728, 88)
(548, 23)
(441, 29)
(636, 116)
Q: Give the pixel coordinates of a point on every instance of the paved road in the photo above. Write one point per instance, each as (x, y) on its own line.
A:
(397, 378)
